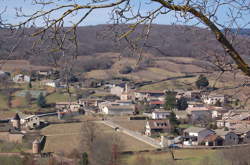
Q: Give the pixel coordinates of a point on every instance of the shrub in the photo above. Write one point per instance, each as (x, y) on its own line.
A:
(126, 70)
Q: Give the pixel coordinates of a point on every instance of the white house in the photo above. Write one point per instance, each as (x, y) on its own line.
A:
(213, 99)
(32, 121)
(160, 114)
(195, 135)
(20, 78)
(118, 109)
(51, 83)
(118, 90)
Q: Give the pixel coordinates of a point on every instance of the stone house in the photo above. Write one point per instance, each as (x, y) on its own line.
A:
(212, 99)
(199, 113)
(234, 120)
(73, 106)
(119, 89)
(213, 140)
(31, 122)
(149, 95)
(229, 137)
(157, 126)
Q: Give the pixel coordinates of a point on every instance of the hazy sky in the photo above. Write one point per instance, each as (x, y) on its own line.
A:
(97, 17)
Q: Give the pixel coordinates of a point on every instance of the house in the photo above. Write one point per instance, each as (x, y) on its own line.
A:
(213, 140)
(189, 95)
(217, 112)
(199, 113)
(30, 121)
(229, 137)
(51, 83)
(195, 135)
(181, 115)
(160, 114)
(157, 126)
(90, 102)
(73, 106)
(21, 78)
(118, 109)
(235, 119)
(44, 72)
(149, 95)
(156, 103)
(119, 89)
(192, 104)
(213, 99)
(127, 95)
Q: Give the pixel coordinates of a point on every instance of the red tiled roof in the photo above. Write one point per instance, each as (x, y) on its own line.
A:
(156, 102)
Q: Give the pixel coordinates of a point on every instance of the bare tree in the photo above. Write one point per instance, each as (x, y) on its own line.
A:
(102, 148)
(129, 11)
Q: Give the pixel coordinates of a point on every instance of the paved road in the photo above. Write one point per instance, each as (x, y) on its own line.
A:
(133, 134)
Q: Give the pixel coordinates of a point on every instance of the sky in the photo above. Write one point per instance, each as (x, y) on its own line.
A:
(100, 16)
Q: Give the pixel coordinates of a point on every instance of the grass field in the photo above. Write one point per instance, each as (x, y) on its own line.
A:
(184, 157)
(66, 137)
(58, 97)
(3, 102)
(135, 125)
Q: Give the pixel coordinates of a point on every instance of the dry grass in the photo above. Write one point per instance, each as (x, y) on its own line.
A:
(66, 137)
(134, 125)
(17, 65)
(190, 157)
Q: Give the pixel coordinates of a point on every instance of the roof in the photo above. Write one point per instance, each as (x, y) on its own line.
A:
(121, 108)
(150, 91)
(198, 109)
(194, 129)
(211, 138)
(156, 102)
(159, 124)
(66, 103)
(160, 111)
(221, 132)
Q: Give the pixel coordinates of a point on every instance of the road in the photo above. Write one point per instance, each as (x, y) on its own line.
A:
(133, 134)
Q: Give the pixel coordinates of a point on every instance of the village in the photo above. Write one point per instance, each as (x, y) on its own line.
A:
(170, 118)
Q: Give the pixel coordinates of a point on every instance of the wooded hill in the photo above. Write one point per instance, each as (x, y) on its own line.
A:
(164, 40)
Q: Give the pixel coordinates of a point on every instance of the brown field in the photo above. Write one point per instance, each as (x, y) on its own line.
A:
(15, 65)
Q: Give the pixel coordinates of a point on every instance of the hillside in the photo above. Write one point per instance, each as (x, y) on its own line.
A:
(164, 40)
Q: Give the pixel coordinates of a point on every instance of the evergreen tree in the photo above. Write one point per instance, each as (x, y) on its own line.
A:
(201, 82)
(182, 103)
(174, 122)
(84, 160)
(170, 101)
(29, 85)
(41, 101)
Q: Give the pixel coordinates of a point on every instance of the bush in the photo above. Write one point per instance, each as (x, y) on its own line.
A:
(126, 70)
(201, 82)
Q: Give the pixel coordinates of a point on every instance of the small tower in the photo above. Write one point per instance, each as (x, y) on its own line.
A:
(16, 122)
(36, 147)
